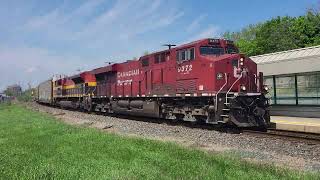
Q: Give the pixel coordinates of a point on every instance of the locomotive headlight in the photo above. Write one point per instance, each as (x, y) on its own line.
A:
(243, 88)
(241, 61)
(265, 89)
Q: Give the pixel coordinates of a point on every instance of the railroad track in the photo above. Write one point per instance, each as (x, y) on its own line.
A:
(288, 134)
(270, 132)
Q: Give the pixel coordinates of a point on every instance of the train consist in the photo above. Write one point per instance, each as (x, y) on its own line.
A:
(202, 81)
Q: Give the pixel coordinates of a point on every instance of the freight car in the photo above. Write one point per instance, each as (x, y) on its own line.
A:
(43, 92)
(203, 81)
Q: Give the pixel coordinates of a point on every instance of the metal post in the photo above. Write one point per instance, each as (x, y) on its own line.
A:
(274, 89)
(296, 88)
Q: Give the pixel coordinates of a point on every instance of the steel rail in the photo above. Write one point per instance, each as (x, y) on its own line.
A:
(287, 134)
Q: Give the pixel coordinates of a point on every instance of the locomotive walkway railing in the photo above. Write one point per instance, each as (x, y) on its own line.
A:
(232, 86)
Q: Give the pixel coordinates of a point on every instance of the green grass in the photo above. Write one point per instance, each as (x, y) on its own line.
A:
(37, 146)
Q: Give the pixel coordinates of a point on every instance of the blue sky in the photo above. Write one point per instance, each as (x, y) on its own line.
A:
(41, 38)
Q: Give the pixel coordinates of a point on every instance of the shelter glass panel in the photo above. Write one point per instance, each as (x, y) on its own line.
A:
(309, 89)
(285, 90)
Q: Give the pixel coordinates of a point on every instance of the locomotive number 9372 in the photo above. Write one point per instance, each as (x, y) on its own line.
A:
(207, 81)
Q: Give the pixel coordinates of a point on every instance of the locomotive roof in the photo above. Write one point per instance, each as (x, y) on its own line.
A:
(178, 47)
(190, 43)
(113, 67)
(108, 68)
(74, 76)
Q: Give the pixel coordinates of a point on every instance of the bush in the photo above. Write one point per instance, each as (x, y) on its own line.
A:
(26, 96)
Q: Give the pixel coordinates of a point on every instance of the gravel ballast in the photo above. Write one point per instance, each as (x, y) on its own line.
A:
(280, 151)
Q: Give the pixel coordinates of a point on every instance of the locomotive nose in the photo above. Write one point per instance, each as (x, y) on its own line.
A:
(249, 111)
(258, 111)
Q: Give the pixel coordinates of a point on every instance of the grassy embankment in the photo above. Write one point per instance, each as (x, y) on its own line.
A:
(35, 145)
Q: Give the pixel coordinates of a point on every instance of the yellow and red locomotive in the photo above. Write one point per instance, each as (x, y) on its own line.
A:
(205, 80)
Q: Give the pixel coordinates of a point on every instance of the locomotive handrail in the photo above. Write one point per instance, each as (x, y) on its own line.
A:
(87, 92)
(226, 81)
(95, 88)
(255, 81)
(233, 85)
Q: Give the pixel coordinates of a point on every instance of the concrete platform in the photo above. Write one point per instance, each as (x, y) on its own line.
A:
(299, 124)
(295, 111)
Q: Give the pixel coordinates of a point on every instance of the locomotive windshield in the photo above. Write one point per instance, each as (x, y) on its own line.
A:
(232, 50)
(211, 50)
(217, 51)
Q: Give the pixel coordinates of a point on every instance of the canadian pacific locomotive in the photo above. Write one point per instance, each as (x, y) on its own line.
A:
(203, 81)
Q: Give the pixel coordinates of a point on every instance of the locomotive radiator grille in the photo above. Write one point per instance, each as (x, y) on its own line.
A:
(189, 85)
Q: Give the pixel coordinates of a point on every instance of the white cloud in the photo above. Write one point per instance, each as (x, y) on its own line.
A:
(120, 20)
(24, 64)
(61, 23)
(85, 9)
(31, 69)
(210, 32)
(92, 32)
(195, 23)
(43, 21)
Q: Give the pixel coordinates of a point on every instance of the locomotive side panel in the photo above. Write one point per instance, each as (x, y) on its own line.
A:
(105, 82)
(163, 72)
(127, 83)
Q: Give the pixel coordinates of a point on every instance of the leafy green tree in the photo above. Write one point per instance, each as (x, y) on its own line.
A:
(275, 35)
(26, 95)
(279, 34)
(246, 39)
(8, 93)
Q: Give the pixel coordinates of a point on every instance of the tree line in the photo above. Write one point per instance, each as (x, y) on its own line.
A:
(278, 34)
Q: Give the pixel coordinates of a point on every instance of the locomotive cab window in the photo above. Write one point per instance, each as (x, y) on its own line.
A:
(211, 50)
(185, 55)
(145, 62)
(159, 58)
(234, 63)
(232, 50)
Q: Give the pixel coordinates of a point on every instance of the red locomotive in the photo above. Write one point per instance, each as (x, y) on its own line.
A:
(205, 80)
